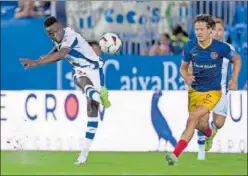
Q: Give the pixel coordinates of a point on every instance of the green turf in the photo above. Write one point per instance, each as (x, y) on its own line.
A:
(123, 163)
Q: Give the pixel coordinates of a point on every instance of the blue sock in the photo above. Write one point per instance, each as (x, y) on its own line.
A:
(91, 129)
(201, 138)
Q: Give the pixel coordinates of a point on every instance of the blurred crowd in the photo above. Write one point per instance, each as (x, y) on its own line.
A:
(168, 44)
(30, 8)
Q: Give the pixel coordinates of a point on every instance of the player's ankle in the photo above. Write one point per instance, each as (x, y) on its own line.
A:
(207, 132)
(182, 144)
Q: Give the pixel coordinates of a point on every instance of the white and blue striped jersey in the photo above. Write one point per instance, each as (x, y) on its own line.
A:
(226, 71)
(81, 53)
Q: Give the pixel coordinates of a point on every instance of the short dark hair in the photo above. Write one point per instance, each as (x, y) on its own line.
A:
(205, 18)
(50, 21)
(219, 20)
(177, 30)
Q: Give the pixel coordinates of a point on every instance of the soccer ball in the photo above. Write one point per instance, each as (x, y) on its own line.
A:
(110, 43)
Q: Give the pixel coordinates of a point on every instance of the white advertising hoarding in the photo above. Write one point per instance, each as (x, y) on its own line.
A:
(56, 120)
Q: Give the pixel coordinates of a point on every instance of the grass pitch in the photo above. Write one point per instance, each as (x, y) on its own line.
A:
(120, 163)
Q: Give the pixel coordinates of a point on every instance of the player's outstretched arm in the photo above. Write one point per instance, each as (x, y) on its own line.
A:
(53, 50)
(236, 69)
(54, 57)
(47, 59)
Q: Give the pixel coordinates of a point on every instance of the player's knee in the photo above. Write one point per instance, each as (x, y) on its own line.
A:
(83, 81)
(202, 125)
(92, 108)
(219, 123)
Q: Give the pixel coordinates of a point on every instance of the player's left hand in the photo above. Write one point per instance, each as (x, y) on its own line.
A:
(233, 85)
(28, 63)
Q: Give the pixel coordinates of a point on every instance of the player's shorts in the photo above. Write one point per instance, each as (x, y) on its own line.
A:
(95, 75)
(222, 106)
(208, 99)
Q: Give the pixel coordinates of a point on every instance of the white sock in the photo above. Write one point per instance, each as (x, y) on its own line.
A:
(86, 148)
(201, 148)
(90, 134)
(201, 153)
(92, 93)
(201, 139)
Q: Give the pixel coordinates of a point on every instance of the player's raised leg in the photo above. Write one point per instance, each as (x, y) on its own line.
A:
(92, 93)
(217, 123)
(219, 117)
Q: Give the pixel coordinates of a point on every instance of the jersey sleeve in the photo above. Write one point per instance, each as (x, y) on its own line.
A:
(69, 41)
(232, 48)
(226, 51)
(186, 52)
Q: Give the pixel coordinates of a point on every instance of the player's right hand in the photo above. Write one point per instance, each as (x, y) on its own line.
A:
(28, 63)
(189, 80)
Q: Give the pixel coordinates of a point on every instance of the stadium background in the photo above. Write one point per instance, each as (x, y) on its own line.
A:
(41, 109)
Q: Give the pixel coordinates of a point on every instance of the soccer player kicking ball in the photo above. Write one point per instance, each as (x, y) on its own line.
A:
(88, 73)
(206, 56)
(220, 110)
